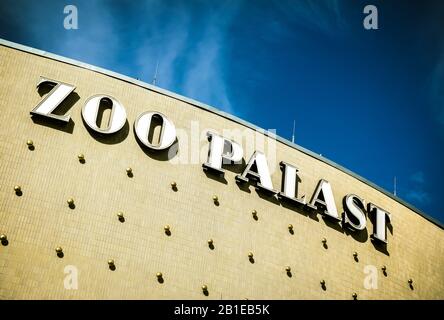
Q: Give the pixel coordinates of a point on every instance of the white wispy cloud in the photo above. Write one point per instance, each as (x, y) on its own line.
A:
(418, 196)
(190, 61)
(41, 25)
(96, 39)
(205, 77)
(416, 192)
(436, 92)
(162, 41)
(325, 16)
(418, 177)
(188, 41)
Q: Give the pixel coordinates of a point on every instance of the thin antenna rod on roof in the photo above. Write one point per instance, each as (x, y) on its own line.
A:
(155, 74)
(292, 136)
(394, 185)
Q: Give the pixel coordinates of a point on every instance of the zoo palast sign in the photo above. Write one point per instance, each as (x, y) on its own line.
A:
(221, 151)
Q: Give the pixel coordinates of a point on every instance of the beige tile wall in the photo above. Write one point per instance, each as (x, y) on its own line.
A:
(40, 220)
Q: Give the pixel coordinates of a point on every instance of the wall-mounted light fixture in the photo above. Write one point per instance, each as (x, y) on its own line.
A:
(70, 202)
(129, 171)
(210, 243)
(205, 289)
(30, 144)
(59, 252)
(18, 190)
(324, 243)
(251, 257)
(111, 264)
(4, 240)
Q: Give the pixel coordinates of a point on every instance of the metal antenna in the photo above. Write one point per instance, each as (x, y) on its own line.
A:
(394, 185)
(155, 74)
(292, 136)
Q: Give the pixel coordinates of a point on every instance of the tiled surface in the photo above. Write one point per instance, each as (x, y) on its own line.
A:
(40, 219)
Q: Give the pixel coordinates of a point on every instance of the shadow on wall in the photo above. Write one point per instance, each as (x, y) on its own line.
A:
(236, 168)
(361, 236)
(114, 138)
(160, 155)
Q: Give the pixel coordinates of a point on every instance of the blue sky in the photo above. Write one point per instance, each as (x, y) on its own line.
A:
(370, 100)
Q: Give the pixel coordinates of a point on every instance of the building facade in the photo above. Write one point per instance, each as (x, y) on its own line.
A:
(87, 227)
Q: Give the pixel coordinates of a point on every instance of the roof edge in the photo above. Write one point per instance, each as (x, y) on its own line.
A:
(209, 108)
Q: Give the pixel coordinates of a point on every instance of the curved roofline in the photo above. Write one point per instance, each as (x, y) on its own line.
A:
(209, 108)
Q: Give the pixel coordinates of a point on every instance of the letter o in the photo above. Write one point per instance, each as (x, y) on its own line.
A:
(91, 109)
(142, 127)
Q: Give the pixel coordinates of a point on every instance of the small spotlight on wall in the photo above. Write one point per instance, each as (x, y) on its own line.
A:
(211, 244)
(111, 264)
(205, 289)
(129, 172)
(70, 202)
(30, 144)
(18, 190)
(59, 252)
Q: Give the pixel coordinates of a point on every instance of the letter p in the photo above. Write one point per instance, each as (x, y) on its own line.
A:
(222, 151)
